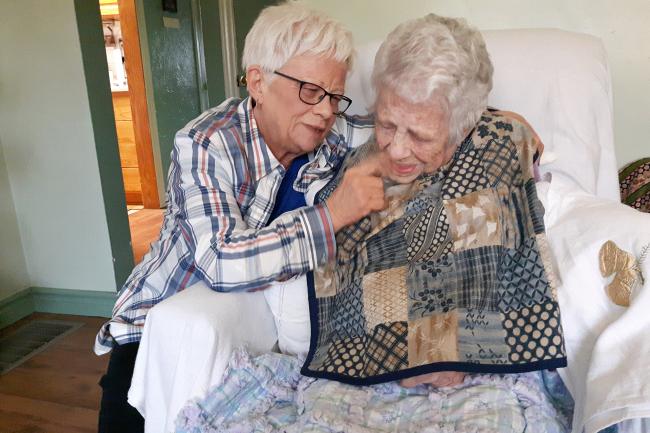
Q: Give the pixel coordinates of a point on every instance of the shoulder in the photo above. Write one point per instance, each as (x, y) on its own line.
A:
(506, 139)
(354, 122)
(353, 130)
(496, 125)
(218, 131)
(212, 123)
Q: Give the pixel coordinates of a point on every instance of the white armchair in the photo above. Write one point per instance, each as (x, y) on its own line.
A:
(559, 81)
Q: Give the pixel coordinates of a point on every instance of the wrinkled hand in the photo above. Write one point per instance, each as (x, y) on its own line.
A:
(438, 380)
(360, 192)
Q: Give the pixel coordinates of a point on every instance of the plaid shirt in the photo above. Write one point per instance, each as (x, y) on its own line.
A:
(222, 186)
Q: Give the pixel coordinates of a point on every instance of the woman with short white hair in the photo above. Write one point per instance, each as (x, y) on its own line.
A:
(236, 218)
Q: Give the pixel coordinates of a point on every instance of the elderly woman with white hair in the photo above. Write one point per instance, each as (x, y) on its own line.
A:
(445, 281)
(236, 218)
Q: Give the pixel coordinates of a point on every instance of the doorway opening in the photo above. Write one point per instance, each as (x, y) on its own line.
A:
(122, 46)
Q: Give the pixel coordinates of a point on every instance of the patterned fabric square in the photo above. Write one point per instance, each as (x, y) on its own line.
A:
(489, 128)
(522, 278)
(334, 277)
(428, 293)
(426, 233)
(385, 297)
(433, 339)
(349, 239)
(481, 337)
(534, 334)
(386, 348)
(326, 280)
(501, 163)
(349, 320)
(536, 207)
(465, 177)
(384, 250)
(342, 314)
(474, 219)
(517, 204)
(344, 356)
(474, 274)
(351, 260)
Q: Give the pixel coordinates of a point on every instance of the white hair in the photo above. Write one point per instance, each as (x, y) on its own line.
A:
(290, 29)
(437, 59)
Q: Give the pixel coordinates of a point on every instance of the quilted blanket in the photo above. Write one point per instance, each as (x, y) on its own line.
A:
(267, 394)
(455, 275)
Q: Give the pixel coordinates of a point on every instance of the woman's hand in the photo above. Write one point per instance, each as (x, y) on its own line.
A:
(360, 192)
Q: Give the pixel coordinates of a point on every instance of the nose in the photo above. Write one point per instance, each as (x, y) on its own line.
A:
(399, 148)
(324, 108)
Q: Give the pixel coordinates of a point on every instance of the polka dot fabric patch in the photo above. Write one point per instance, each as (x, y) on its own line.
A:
(533, 333)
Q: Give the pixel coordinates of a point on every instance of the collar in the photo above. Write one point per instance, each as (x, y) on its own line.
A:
(327, 158)
(261, 160)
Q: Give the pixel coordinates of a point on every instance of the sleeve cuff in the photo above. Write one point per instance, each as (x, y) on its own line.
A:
(318, 223)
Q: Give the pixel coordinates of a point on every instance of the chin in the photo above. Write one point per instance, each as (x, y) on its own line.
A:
(306, 144)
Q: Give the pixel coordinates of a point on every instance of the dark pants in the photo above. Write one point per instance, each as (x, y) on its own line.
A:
(116, 415)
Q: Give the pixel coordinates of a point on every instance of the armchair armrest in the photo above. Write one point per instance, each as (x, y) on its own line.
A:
(186, 346)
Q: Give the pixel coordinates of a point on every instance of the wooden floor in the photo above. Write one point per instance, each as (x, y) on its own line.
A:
(145, 228)
(57, 390)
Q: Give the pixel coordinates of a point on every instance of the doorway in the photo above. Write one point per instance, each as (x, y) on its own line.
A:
(156, 29)
(126, 76)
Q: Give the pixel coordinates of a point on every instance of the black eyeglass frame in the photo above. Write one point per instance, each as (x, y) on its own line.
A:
(341, 98)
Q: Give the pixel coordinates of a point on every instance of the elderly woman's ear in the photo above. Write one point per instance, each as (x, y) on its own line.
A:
(255, 83)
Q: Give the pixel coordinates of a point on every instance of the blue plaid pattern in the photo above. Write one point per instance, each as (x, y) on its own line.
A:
(223, 181)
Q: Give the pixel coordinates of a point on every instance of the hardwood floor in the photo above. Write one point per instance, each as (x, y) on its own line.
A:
(57, 390)
(145, 228)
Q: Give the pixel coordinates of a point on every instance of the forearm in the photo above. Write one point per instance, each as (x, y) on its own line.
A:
(246, 260)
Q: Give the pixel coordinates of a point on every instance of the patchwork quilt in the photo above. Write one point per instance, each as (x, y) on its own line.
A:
(455, 275)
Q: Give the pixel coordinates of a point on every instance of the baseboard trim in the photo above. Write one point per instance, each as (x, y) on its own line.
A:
(15, 307)
(59, 301)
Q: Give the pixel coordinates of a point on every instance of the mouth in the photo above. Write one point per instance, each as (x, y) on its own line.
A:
(316, 129)
(403, 169)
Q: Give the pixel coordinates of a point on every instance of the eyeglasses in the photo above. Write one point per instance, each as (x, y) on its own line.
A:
(313, 94)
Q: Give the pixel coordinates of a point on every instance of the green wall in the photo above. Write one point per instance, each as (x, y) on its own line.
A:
(103, 124)
(246, 11)
(212, 51)
(49, 148)
(13, 270)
